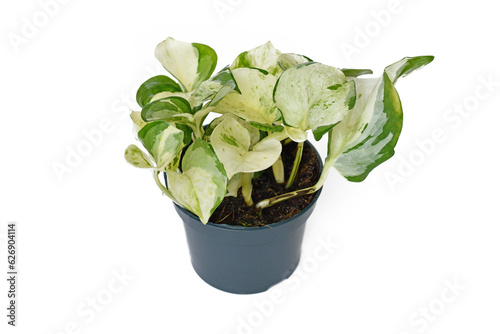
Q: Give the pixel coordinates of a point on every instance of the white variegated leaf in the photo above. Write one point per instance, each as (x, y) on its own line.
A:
(233, 185)
(255, 103)
(137, 158)
(201, 187)
(289, 60)
(264, 57)
(232, 142)
(313, 96)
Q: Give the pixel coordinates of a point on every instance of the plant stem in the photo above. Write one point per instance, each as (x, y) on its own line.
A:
(296, 164)
(246, 188)
(279, 171)
(306, 191)
(162, 187)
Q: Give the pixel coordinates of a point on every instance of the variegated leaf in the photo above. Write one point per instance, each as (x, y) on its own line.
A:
(201, 187)
(368, 134)
(313, 96)
(255, 103)
(163, 141)
(170, 109)
(263, 57)
(137, 158)
(289, 60)
(232, 142)
(153, 86)
(190, 63)
(216, 88)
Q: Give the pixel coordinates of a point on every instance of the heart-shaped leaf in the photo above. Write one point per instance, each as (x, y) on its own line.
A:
(163, 141)
(153, 86)
(313, 96)
(232, 142)
(201, 187)
(367, 136)
(190, 63)
(262, 57)
(170, 109)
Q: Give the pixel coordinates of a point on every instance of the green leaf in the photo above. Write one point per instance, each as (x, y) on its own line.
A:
(367, 136)
(262, 57)
(313, 96)
(233, 144)
(153, 86)
(255, 103)
(201, 187)
(163, 141)
(349, 72)
(289, 60)
(171, 109)
(137, 158)
(190, 63)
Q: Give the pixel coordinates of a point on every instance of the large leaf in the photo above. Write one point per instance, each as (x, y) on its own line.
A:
(262, 57)
(170, 109)
(201, 187)
(153, 86)
(313, 96)
(368, 134)
(190, 63)
(232, 142)
(163, 141)
(255, 103)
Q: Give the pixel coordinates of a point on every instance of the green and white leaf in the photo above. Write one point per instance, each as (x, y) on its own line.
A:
(353, 73)
(201, 187)
(163, 141)
(162, 95)
(190, 63)
(313, 96)
(289, 60)
(216, 88)
(154, 86)
(137, 158)
(232, 142)
(367, 136)
(255, 103)
(234, 184)
(264, 57)
(170, 109)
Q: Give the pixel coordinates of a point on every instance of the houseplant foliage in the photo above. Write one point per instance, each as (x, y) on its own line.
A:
(261, 100)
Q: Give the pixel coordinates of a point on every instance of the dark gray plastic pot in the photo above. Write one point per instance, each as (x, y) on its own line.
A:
(245, 260)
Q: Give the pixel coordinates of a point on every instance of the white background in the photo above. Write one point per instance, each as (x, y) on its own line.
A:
(399, 245)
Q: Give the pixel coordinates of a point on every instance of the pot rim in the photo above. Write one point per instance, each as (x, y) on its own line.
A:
(260, 228)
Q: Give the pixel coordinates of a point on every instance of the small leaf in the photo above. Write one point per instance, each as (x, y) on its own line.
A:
(216, 88)
(232, 142)
(153, 86)
(163, 141)
(289, 60)
(171, 109)
(349, 72)
(137, 158)
(201, 187)
(190, 63)
(312, 96)
(262, 57)
(367, 136)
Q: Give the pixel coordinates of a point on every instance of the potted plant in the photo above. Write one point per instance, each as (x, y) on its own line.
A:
(245, 183)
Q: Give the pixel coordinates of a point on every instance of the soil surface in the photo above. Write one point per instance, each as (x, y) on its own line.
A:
(234, 211)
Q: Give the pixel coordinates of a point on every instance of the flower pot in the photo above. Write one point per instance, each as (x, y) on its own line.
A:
(245, 260)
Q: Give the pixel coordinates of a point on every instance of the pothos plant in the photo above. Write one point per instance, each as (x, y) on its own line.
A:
(262, 99)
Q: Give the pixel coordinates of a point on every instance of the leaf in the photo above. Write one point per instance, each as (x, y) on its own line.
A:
(367, 136)
(255, 103)
(262, 57)
(233, 185)
(153, 86)
(163, 141)
(201, 187)
(137, 119)
(171, 109)
(137, 158)
(289, 60)
(216, 88)
(190, 63)
(313, 96)
(349, 72)
(232, 142)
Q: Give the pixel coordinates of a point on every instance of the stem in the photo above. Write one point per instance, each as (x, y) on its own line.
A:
(246, 188)
(296, 164)
(279, 171)
(306, 191)
(162, 187)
